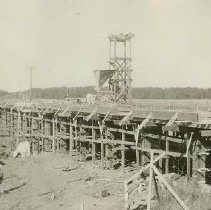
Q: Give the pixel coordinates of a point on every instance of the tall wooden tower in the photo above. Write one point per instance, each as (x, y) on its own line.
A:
(119, 73)
(120, 62)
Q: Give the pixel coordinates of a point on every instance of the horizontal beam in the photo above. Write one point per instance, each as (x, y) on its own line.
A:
(157, 151)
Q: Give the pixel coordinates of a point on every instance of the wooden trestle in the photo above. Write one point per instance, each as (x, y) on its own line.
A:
(99, 131)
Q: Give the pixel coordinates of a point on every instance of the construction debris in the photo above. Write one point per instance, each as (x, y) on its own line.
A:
(23, 149)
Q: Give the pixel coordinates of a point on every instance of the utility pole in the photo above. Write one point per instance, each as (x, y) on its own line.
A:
(31, 68)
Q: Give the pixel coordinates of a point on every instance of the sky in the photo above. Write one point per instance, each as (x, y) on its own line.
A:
(66, 39)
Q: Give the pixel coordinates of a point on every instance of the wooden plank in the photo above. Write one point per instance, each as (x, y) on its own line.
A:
(164, 138)
(172, 120)
(161, 178)
(145, 167)
(126, 195)
(137, 158)
(188, 144)
(89, 117)
(126, 118)
(93, 144)
(167, 115)
(167, 158)
(150, 181)
(123, 152)
(142, 125)
(173, 128)
(71, 140)
(53, 135)
(205, 133)
(102, 146)
(157, 151)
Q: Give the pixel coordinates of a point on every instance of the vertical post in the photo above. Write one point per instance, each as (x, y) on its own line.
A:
(42, 133)
(136, 135)
(126, 192)
(6, 122)
(76, 133)
(59, 136)
(102, 153)
(161, 164)
(125, 50)
(137, 158)
(23, 124)
(11, 128)
(82, 206)
(145, 143)
(79, 142)
(150, 181)
(9, 122)
(188, 161)
(141, 153)
(30, 133)
(102, 145)
(123, 151)
(18, 132)
(53, 134)
(93, 143)
(71, 139)
(167, 158)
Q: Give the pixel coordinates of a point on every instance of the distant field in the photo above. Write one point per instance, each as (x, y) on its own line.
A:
(195, 105)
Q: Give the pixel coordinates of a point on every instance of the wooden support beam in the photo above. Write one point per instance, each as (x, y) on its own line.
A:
(102, 145)
(137, 158)
(126, 193)
(89, 117)
(150, 181)
(102, 154)
(161, 178)
(167, 158)
(42, 127)
(123, 152)
(205, 133)
(126, 118)
(142, 125)
(71, 140)
(106, 116)
(188, 145)
(19, 128)
(53, 135)
(93, 143)
(172, 120)
(12, 129)
(137, 151)
(164, 138)
(161, 165)
(158, 151)
(135, 176)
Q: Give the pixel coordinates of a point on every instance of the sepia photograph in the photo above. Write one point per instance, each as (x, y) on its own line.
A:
(105, 104)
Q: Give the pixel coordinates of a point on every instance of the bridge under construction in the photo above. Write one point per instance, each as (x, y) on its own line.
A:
(118, 134)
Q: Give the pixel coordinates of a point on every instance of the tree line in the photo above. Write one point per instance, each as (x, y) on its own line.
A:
(137, 93)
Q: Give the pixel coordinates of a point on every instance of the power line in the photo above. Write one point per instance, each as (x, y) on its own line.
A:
(31, 68)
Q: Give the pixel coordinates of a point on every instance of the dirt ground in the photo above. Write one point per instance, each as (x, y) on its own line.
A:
(60, 181)
(50, 181)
